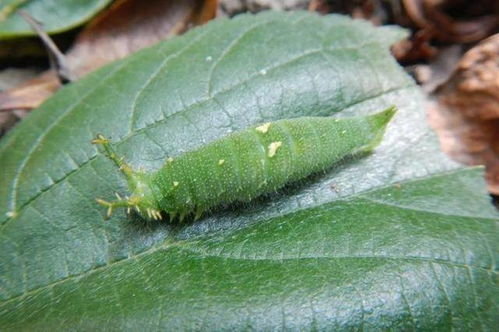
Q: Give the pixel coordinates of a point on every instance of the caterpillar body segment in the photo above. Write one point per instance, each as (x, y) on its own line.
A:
(246, 164)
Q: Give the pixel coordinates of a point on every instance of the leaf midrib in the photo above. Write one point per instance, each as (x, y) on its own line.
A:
(412, 208)
(383, 257)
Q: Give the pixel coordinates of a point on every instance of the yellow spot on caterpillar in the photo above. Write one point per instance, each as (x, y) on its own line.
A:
(263, 128)
(221, 161)
(170, 159)
(11, 214)
(343, 132)
(273, 148)
(175, 183)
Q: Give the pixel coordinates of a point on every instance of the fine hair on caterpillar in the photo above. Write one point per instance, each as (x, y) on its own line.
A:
(244, 165)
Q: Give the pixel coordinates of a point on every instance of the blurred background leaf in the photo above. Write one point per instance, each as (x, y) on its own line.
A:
(56, 16)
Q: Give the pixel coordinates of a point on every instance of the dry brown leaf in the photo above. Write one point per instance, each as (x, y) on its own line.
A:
(466, 116)
(438, 18)
(448, 21)
(234, 7)
(30, 94)
(415, 48)
(130, 25)
(127, 26)
(362, 9)
(8, 78)
(433, 74)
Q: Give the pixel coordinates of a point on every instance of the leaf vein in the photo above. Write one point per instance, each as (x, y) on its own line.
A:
(229, 49)
(412, 208)
(155, 74)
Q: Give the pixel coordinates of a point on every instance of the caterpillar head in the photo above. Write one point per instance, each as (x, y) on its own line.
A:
(142, 199)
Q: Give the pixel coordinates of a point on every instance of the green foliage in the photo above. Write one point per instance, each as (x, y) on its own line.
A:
(400, 239)
(55, 15)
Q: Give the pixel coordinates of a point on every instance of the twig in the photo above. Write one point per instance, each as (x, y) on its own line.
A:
(57, 59)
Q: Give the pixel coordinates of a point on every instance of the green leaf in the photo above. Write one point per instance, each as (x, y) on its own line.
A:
(400, 239)
(55, 16)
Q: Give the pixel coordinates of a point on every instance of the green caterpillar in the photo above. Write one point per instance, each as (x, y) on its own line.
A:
(245, 164)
